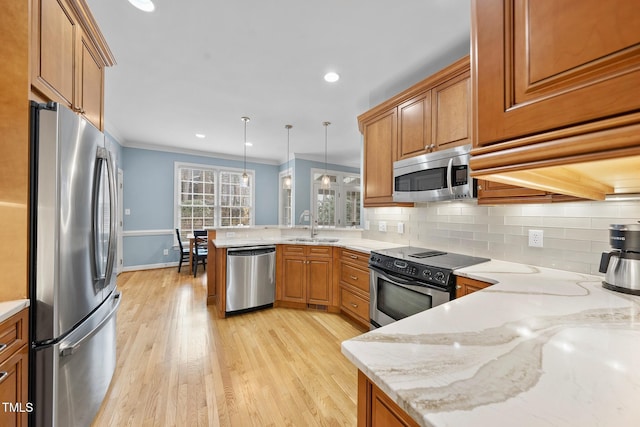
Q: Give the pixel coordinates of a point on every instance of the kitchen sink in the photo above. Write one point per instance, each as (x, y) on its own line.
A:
(313, 239)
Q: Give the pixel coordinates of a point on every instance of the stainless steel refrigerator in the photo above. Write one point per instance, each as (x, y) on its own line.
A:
(74, 300)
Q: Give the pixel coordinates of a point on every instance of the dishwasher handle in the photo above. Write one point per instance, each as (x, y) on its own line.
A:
(251, 251)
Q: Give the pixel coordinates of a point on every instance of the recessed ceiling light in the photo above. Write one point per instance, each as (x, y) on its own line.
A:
(200, 135)
(145, 5)
(248, 144)
(331, 77)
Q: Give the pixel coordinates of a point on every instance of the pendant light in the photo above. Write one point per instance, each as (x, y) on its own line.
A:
(326, 182)
(286, 184)
(245, 177)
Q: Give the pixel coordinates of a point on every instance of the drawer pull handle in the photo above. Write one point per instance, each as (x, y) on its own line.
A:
(354, 277)
(3, 375)
(354, 305)
(354, 256)
(458, 287)
(2, 346)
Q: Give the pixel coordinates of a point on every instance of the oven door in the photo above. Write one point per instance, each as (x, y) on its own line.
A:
(394, 298)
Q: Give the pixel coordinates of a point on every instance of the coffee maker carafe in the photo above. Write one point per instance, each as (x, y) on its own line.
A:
(622, 266)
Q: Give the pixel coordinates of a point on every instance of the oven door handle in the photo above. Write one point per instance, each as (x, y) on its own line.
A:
(396, 281)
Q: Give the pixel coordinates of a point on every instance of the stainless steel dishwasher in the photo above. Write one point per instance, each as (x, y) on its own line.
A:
(251, 278)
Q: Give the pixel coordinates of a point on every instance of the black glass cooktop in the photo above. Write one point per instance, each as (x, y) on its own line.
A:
(431, 257)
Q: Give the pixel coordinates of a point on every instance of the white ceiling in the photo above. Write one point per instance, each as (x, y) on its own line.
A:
(197, 66)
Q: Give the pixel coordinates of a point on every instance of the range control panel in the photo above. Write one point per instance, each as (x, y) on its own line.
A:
(423, 273)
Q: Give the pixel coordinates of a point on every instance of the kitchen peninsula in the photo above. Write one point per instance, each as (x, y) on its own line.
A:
(539, 347)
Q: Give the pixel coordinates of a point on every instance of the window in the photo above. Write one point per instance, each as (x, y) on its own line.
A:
(211, 197)
(235, 200)
(340, 204)
(285, 199)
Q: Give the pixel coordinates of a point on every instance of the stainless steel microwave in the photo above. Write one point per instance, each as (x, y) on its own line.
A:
(442, 175)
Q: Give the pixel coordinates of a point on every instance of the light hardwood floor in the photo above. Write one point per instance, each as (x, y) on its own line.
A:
(179, 365)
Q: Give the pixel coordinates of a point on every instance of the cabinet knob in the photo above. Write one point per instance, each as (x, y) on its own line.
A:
(479, 187)
(354, 305)
(354, 277)
(458, 287)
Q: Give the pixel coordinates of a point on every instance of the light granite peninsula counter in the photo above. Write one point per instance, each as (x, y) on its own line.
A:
(541, 347)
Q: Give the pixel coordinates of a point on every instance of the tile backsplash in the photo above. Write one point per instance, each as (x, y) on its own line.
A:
(574, 234)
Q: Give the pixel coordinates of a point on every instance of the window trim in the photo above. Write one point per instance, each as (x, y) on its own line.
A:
(218, 184)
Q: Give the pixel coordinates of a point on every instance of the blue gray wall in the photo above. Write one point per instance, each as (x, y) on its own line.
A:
(148, 194)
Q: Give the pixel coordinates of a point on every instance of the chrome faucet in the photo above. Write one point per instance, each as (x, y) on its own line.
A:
(312, 223)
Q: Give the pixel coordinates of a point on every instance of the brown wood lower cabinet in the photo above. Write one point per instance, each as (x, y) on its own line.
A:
(304, 276)
(465, 286)
(14, 362)
(354, 285)
(376, 409)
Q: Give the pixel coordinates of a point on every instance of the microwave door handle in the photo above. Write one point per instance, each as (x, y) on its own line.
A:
(449, 169)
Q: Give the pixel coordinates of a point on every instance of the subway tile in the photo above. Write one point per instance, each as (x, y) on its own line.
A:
(506, 229)
(528, 221)
(568, 222)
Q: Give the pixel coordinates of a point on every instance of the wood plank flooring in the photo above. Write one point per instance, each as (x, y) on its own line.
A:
(179, 365)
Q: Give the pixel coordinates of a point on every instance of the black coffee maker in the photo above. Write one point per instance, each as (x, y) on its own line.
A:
(622, 266)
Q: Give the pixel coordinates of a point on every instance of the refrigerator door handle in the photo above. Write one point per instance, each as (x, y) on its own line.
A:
(113, 218)
(69, 349)
(103, 270)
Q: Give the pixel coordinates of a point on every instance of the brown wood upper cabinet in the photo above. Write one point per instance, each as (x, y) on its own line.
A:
(438, 118)
(68, 57)
(556, 94)
(432, 114)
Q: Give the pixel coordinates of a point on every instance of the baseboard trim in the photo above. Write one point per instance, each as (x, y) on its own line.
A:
(152, 266)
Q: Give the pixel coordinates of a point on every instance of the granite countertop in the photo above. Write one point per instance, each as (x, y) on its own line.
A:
(541, 347)
(363, 245)
(9, 308)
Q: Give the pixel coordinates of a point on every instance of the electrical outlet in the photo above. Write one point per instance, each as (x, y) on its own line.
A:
(382, 226)
(127, 211)
(400, 228)
(166, 252)
(536, 238)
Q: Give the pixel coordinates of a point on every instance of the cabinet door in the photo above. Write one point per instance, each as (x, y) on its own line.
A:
(54, 49)
(414, 117)
(465, 286)
(319, 275)
(294, 279)
(380, 144)
(543, 65)
(452, 113)
(91, 84)
(13, 389)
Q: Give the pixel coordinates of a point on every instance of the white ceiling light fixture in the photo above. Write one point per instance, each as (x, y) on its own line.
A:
(249, 144)
(245, 177)
(331, 77)
(326, 181)
(286, 183)
(144, 5)
(200, 135)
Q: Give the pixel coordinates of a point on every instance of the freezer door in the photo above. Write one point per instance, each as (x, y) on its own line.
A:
(71, 378)
(69, 280)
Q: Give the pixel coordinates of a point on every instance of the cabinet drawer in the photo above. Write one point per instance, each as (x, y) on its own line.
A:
(354, 304)
(355, 257)
(355, 277)
(293, 250)
(320, 251)
(13, 334)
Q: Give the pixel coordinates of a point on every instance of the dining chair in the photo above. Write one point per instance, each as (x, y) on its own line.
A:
(184, 252)
(200, 250)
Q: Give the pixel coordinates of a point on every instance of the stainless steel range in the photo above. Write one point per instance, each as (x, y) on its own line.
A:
(407, 280)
